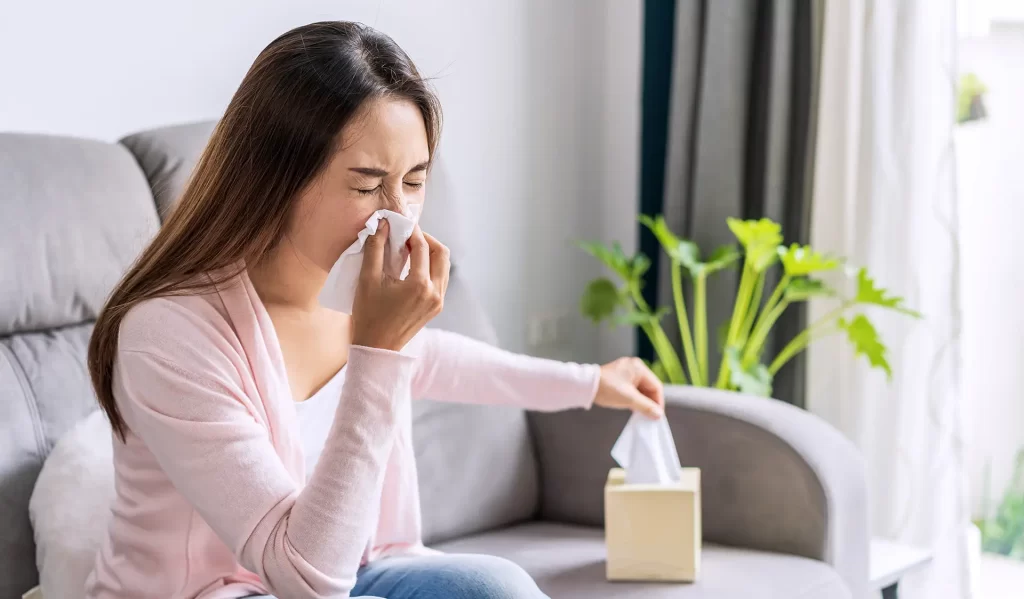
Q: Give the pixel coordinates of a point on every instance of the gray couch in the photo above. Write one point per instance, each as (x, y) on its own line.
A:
(783, 494)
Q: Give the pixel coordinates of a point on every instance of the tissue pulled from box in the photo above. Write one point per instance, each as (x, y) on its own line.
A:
(339, 291)
(646, 451)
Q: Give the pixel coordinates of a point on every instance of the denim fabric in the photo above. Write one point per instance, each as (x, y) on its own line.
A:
(444, 576)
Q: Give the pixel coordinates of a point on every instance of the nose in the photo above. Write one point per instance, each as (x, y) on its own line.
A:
(395, 201)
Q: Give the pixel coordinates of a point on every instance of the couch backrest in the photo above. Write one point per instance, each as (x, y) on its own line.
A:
(73, 215)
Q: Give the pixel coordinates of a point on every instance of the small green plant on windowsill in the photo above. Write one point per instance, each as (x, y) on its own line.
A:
(970, 99)
(745, 367)
(1003, 531)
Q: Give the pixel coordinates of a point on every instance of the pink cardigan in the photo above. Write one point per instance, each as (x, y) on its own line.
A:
(211, 493)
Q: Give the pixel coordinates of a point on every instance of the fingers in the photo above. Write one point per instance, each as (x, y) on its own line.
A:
(440, 263)
(373, 253)
(648, 384)
(645, 405)
(419, 256)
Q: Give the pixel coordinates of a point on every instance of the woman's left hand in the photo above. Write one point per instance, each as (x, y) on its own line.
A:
(627, 383)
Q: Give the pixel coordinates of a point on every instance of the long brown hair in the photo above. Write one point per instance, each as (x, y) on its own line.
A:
(277, 134)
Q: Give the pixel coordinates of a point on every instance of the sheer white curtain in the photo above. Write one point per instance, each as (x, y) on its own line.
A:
(884, 197)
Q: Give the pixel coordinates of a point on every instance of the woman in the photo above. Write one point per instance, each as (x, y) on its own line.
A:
(213, 357)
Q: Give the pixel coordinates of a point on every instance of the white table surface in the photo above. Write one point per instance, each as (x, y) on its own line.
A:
(891, 560)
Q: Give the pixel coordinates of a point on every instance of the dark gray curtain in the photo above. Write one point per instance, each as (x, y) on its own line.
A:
(740, 138)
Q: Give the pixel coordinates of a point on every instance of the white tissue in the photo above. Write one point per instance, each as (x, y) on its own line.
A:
(647, 452)
(340, 289)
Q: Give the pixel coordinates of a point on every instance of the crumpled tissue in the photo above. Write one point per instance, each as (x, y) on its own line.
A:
(646, 451)
(339, 291)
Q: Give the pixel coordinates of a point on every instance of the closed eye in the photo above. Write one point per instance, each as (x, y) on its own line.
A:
(368, 191)
(414, 185)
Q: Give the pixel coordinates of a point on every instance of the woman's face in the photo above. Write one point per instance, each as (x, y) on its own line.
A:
(381, 164)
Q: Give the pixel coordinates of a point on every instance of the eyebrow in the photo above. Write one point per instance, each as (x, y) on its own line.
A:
(379, 172)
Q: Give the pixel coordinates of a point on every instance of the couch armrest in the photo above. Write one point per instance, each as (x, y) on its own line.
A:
(774, 477)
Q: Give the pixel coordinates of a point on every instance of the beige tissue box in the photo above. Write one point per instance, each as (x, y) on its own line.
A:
(653, 532)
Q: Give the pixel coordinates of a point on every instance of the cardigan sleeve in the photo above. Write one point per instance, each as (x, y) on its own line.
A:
(185, 401)
(456, 368)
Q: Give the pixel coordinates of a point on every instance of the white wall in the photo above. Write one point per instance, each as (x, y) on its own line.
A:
(540, 101)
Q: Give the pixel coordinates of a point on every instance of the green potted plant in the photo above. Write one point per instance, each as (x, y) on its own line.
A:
(745, 366)
(1003, 531)
(970, 96)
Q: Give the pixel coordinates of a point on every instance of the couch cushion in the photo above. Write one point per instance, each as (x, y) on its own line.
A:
(167, 155)
(44, 390)
(21, 457)
(476, 463)
(476, 468)
(75, 214)
(569, 562)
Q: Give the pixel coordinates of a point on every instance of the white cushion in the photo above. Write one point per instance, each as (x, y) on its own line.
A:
(70, 507)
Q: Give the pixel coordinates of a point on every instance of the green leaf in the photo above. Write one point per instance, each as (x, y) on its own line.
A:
(864, 337)
(689, 257)
(760, 257)
(628, 269)
(613, 257)
(760, 240)
(798, 260)
(639, 265)
(600, 299)
(678, 249)
(723, 257)
(756, 232)
(870, 293)
(673, 244)
(754, 379)
(804, 288)
(686, 252)
(638, 318)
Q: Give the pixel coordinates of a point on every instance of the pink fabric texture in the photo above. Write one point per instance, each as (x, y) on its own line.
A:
(211, 501)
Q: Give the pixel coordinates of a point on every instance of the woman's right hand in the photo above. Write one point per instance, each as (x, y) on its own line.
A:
(388, 312)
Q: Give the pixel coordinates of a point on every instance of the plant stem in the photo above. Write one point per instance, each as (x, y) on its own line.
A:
(774, 298)
(764, 326)
(794, 347)
(805, 338)
(739, 312)
(684, 324)
(666, 353)
(755, 303)
(662, 346)
(638, 297)
(700, 323)
(764, 322)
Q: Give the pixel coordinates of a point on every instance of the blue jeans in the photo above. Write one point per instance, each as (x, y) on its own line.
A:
(444, 576)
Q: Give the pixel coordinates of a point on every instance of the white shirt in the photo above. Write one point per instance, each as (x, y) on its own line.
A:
(316, 415)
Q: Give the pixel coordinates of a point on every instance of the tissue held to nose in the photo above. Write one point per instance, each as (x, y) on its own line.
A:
(339, 291)
(388, 312)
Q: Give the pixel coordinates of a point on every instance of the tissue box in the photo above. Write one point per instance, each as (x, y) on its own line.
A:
(653, 532)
